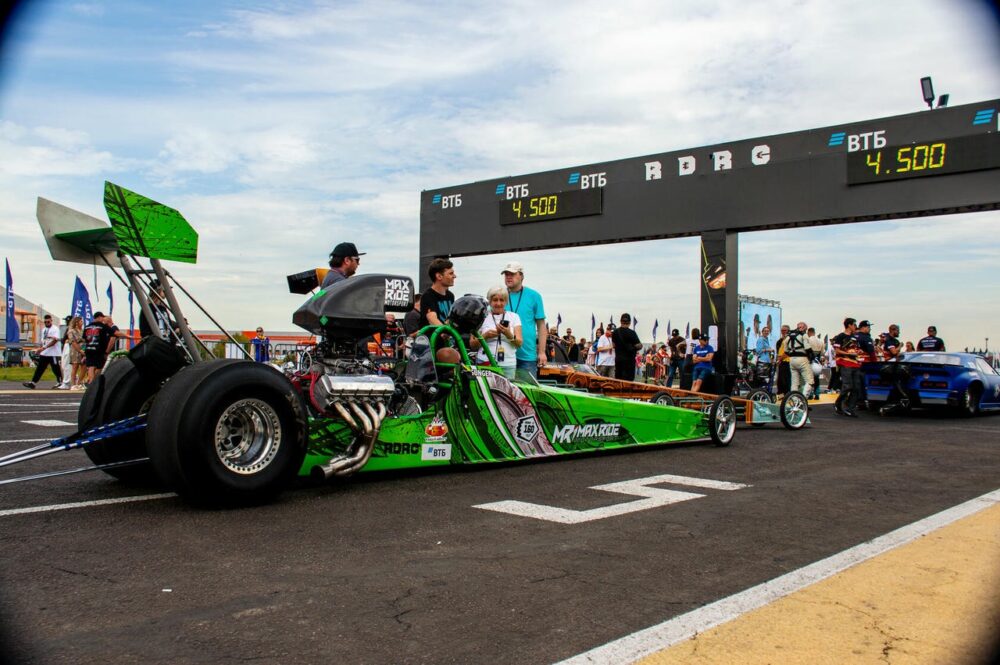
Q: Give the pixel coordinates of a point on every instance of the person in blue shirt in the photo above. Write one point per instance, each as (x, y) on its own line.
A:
(527, 304)
(261, 347)
(702, 359)
(764, 349)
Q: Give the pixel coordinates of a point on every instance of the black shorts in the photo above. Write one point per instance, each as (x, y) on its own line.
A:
(94, 359)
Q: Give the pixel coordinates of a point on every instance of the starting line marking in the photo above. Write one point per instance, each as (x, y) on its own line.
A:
(653, 497)
(642, 643)
(48, 423)
(83, 504)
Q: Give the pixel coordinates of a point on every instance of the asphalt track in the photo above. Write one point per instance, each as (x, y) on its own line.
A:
(403, 567)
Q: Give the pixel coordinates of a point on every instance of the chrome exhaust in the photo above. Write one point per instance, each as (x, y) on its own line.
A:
(370, 419)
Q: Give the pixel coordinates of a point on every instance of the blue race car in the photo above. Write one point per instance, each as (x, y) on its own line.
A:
(963, 381)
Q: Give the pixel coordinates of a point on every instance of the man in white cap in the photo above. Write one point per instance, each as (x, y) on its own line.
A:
(527, 304)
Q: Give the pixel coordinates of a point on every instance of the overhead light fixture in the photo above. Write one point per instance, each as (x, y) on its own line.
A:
(928, 89)
(942, 101)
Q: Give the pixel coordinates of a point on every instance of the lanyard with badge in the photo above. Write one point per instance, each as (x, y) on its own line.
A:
(500, 353)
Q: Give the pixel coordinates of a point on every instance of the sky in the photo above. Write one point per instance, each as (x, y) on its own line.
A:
(281, 129)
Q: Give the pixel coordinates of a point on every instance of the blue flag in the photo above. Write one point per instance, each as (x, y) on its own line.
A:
(81, 303)
(131, 319)
(593, 324)
(656, 324)
(558, 321)
(687, 330)
(13, 329)
(111, 300)
(635, 322)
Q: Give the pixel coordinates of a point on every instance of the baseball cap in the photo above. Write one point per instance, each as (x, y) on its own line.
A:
(626, 318)
(864, 323)
(346, 249)
(608, 327)
(704, 338)
(98, 315)
(513, 266)
(68, 318)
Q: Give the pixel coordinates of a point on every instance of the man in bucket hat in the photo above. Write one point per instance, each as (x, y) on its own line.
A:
(527, 304)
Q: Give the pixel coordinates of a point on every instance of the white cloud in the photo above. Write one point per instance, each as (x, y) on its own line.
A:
(279, 131)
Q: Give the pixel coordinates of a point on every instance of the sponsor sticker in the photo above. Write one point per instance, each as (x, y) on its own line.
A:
(526, 429)
(435, 451)
(398, 292)
(436, 430)
(590, 432)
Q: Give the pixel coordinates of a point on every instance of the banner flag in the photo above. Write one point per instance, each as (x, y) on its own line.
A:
(656, 324)
(111, 300)
(131, 318)
(558, 321)
(81, 303)
(687, 330)
(670, 330)
(593, 324)
(13, 329)
(635, 322)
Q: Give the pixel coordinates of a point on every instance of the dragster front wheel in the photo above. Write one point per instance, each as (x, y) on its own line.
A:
(663, 398)
(722, 420)
(794, 410)
(228, 432)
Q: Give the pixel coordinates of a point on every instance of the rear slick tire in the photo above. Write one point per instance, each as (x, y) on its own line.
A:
(228, 433)
(119, 392)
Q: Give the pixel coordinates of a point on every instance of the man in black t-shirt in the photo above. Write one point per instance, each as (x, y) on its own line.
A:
(932, 342)
(890, 343)
(96, 338)
(678, 349)
(626, 344)
(436, 302)
(411, 322)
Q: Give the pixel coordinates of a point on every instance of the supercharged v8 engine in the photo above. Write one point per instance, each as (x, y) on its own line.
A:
(344, 381)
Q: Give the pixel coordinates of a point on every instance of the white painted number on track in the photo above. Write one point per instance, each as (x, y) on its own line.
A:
(48, 423)
(653, 497)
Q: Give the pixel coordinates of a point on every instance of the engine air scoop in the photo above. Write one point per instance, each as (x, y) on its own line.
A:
(355, 308)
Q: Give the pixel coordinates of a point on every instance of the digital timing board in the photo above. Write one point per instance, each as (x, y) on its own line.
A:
(924, 163)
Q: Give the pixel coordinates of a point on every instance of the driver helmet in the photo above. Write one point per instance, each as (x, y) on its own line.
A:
(468, 313)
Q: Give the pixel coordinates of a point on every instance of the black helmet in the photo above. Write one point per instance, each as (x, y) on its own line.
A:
(468, 313)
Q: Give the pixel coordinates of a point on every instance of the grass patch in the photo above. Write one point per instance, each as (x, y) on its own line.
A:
(20, 373)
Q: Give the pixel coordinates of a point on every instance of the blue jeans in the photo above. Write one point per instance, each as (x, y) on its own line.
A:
(529, 366)
(675, 367)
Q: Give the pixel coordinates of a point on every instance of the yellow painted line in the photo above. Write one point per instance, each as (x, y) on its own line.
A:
(40, 391)
(934, 600)
(924, 593)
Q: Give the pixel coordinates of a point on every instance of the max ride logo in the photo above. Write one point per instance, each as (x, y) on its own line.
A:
(592, 432)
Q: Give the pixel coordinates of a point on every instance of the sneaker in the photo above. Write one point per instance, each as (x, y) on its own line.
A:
(61, 386)
(29, 384)
(78, 386)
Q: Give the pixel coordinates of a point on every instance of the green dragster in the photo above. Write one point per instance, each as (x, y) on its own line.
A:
(485, 417)
(237, 431)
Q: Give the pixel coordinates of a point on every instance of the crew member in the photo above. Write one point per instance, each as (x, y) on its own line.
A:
(344, 261)
(932, 342)
(527, 304)
(436, 302)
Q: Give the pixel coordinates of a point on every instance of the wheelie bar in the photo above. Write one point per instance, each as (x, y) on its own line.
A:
(78, 439)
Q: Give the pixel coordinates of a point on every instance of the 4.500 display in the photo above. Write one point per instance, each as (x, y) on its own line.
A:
(958, 155)
(572, 203)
